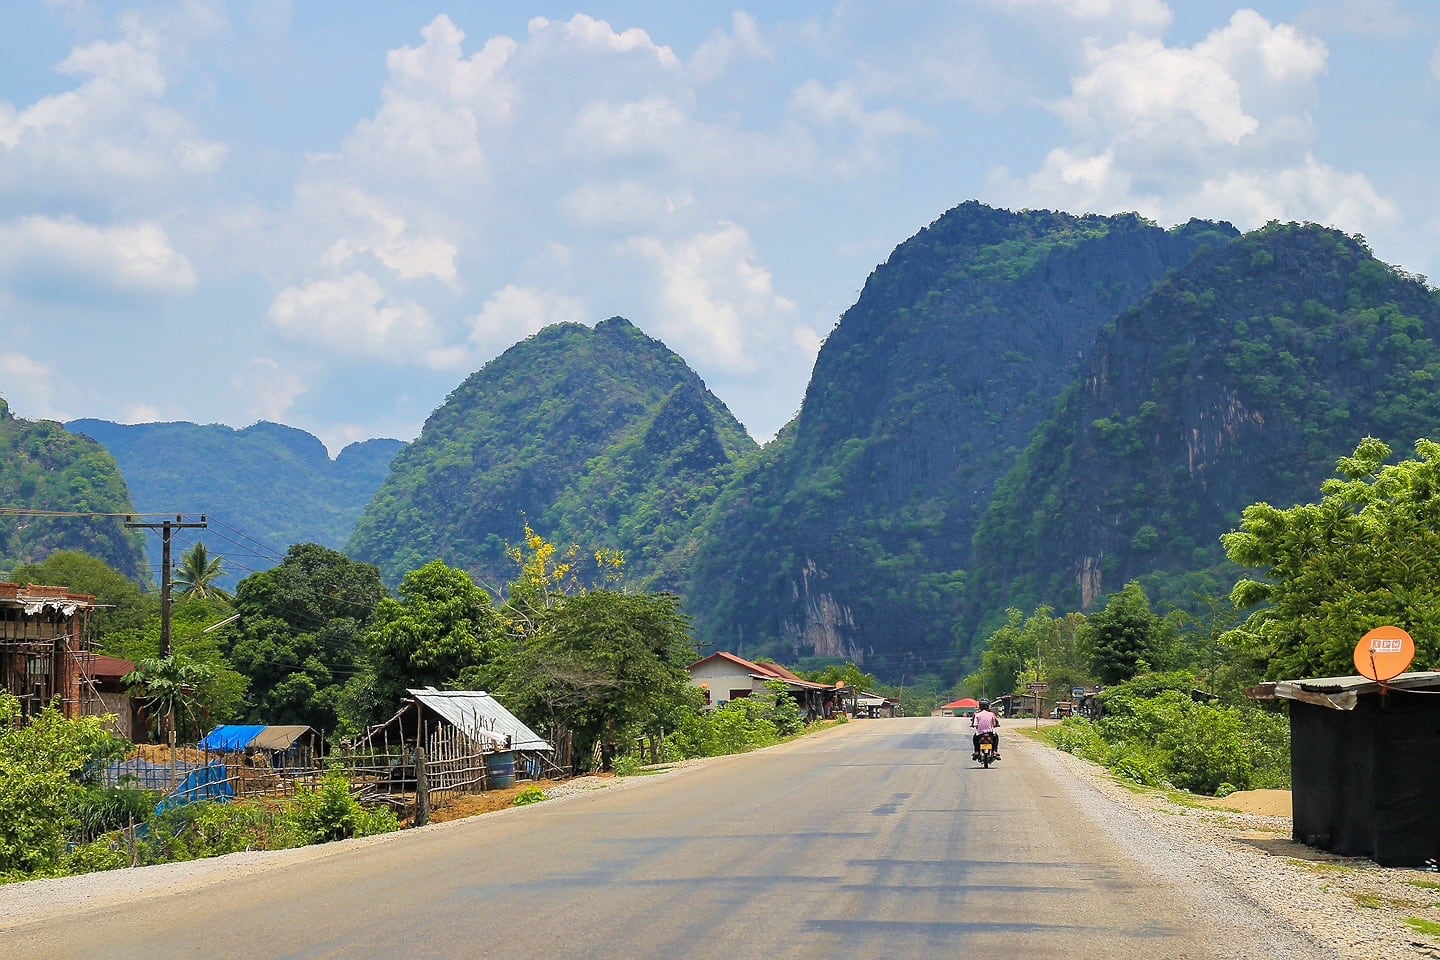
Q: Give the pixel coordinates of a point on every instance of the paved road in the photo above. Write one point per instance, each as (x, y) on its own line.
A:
(876, 839)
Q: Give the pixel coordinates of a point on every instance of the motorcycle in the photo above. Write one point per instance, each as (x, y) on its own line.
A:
(987, 749)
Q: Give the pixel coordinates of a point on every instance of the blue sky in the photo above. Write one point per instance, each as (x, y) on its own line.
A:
(328, 214)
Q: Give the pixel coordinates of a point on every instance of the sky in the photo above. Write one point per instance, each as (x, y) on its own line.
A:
(329, 213)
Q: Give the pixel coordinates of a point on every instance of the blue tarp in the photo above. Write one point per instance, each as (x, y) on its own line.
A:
(210, 782)
(231, 738)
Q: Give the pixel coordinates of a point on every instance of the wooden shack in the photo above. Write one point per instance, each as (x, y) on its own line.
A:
(44, 646)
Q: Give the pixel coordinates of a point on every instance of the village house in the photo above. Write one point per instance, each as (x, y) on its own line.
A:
(725, 677)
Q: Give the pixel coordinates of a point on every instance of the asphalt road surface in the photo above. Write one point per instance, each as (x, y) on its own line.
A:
(880, 838)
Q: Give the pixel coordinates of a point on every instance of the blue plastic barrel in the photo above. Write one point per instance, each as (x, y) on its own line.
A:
(501, 769)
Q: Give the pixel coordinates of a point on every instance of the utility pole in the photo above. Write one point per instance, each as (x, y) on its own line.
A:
(166, 528)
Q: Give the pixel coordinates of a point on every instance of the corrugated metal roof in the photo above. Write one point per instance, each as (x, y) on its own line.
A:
(481, 717)
(1340, 693)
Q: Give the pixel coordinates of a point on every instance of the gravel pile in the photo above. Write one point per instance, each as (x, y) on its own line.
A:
(1243, 870)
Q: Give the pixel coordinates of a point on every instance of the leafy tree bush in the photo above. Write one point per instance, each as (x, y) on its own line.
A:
(42, 785)
(1206, 748)
(300, 637)
(1367, 554)
(330, 812)
(1154, 734)
(194, 831)
(439, 625)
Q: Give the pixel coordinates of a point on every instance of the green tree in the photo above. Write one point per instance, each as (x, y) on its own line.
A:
(1124, 637)
(41, 782)
(197, 573)
(123, 606)
(1366, 555)
(169, 691)
(852, 675)
(440, 625)
(194, 639)
(604, 661)
(301, 634)
(1039, 647)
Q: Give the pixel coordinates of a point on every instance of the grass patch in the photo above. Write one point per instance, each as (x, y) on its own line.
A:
(1367, 900)
(1428, 927)
(1425, 884)
(1320, 866)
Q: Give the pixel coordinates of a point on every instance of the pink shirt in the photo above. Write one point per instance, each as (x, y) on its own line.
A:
(985, 721)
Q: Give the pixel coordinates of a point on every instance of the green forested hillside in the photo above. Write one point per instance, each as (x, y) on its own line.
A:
(1242, 379)
(274, 484)
(44, 468)
(850, 534)
(602, 437)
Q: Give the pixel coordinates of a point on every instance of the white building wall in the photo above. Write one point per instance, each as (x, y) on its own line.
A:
(724, 677)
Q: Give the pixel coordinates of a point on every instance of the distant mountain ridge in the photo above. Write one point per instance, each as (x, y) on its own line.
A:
(1240, 379)
(850, 536)
(597, 437)
(1021, 408)
(273, 484)
(45, 469)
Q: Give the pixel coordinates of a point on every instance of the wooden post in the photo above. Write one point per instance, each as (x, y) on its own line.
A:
(422, 789)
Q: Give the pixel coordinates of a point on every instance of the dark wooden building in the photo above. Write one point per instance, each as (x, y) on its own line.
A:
(1365, 766)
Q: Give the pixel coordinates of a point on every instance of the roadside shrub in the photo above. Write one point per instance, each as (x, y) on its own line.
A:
(1140, 767)
(1205, 748)
(99, 810)
(42, 768)
(528, 796)
(110, 852)
(329, 812)
(627, 765)
(735, 728)
(1078, 736)
(208, 829)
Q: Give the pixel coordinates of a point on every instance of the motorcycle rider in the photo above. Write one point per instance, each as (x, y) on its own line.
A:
(985, 722)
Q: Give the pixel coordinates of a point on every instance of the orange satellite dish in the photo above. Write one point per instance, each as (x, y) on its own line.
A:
(1384, 653)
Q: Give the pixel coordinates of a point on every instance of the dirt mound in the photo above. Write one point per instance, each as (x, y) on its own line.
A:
(1262, 803)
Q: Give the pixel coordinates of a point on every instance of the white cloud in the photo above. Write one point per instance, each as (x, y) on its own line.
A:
(715, 56)
(514, 313)
(64, 259)
(375, 229)
(353, 314)
(29, 386)
(434, 106)
(715, 302)
(1149, 15)
(626, 203)
(143, 413)
(270, 389)
(1222, 129)
(842, 105)
(112, 132)
(596, 35)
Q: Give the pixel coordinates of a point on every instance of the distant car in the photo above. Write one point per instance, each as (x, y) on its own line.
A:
(1055, 714)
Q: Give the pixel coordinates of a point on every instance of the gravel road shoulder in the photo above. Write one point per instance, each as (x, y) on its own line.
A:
(1349, 907)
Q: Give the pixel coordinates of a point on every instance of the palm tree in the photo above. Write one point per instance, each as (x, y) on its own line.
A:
(197, 573)
(168, 690)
